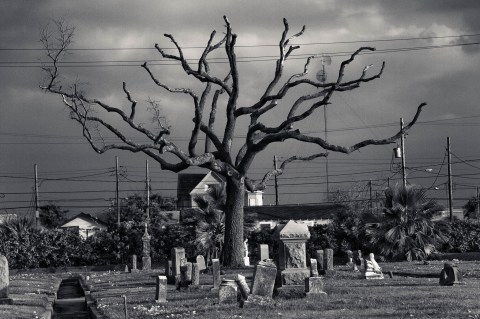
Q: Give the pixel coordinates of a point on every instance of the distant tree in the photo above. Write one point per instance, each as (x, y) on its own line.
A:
(406, 230)
(52, 216)
(470, 209)
(220, 90)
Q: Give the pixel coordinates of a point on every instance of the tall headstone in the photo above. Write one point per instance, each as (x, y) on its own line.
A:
(264, 278)
(161, 289)
(292, 254)
(134, 264)
(358, 259)
(4, 281)
(320, 259)
(216, 274)
(168, 269)
(201, 263)
(146, 260)
(227, 292)
(186, 274)
(195, 275)
(178, 253)
(328, 261)
(264, 252)
(313, 268)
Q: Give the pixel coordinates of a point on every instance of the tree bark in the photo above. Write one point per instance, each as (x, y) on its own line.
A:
(233, 247)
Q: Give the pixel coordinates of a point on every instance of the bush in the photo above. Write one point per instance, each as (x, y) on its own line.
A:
(464, 236)
(321, 237)
(262, 236)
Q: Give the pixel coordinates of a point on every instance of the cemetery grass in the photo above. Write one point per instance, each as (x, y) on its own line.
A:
(414, 292)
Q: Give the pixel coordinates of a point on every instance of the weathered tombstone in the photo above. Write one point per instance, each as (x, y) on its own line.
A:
(227, 292)
(314, 287)
(450, 275)
(313, 268)
(246, 259)
(195, 275)
(161, 289)
(320, 260)
(349, 257)
(372, 269)
(146, 260)
(242, 284)
(168, 269)
(216, 274)
(126, 268)
(264, 278)
(177, 254)
(358, 259)
(292, 253)
(264, 252)
(328, 261)
(186, 274)
(4, 281)
(201, 263)
(134, 264)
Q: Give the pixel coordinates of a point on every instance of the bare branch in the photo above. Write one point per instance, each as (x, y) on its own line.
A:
(129, 97)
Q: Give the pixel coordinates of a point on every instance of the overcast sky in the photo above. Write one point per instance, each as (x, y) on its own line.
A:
(432, 56)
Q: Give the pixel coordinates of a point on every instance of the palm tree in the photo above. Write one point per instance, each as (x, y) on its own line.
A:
(406, 230)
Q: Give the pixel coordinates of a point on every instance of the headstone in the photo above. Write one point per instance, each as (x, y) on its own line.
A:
(450, 275)
(242, 284)
(349, 257)
(227, 292)
(313, 268)
(328, 260)
(216, 274)
(201, 263)
(177, 254)
(292, 254)
(264, 252)
(126, 268)
(134, 264)
(186, 274)
(146, 260)
(161, 289)
(314, 288)
(320, 259)
(168, 269)
(264, 278)
(358, 259)
(195, 275)
(4, 281)
(372, 269)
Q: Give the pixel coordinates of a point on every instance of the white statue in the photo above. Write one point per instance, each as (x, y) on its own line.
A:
(245, 247)
(372, 269)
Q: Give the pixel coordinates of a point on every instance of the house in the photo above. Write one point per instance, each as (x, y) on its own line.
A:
(190, 186)
(5, 217)
(270, 216)
(86, 224)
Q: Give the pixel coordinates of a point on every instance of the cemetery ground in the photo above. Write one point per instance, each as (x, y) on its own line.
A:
(413, 292)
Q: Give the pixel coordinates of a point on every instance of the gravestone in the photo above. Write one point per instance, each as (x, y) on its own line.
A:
(168, 269)
(146, 260)
(264, 278)
(450, 275)
(314, 288)
(227, 292)
(161, 289)
(349, 257)
(242, 284)
(328, 261)
(195, 275)
(4, 281)
(292, 253)
(201, 263)
(358, 259)
(264, 252)
(216, 274)
(134, 264)
(313, 268)
(186, 274)
(177, 254)
(320, 260)
(372, 269)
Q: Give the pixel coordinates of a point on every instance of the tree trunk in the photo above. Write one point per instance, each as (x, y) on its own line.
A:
(233, 246)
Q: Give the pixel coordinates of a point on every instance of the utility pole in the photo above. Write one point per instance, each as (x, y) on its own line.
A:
(326, 158)
(276, 182)
(117, 197)
(147, 180)
(37, 200)
(478, 204)
(450, 195)
(371, 199)
(402, 145)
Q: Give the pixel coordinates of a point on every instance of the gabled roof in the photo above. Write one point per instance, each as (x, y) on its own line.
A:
(295, 212)
(187, 182)
(86, 217)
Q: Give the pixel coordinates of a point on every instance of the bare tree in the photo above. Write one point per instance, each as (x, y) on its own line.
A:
(218, 154)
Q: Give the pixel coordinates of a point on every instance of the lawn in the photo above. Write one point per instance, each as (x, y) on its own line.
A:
(413, 292)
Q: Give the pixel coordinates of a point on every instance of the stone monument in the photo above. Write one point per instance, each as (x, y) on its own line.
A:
(134, 264)
(450, 275)
(328, 262)
(320, 260)
(201, 263)
(313, 268)
(146, 260)
(264, 278)
(216, 274)
(372, 269)
(4, 281)
(264, 252)
(178, 253)
(227, 292)
(195, 275)
(314, 288)
(161, 289)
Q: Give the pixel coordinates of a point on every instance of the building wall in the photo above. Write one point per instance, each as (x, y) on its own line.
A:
(85, 227)
(273, 223)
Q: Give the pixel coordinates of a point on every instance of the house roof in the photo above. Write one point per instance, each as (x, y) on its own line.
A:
(295, 212)
(87, 217)
(187, 182)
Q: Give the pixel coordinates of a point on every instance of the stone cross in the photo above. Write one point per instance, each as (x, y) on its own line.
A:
(146, 260)
(4, 281)
(161, 289)
(216, 274)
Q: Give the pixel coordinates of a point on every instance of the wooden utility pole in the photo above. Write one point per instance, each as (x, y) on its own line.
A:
(147, 184)
(402, 145)
(326, 158)
(478, 204)
(37, 200)
(450, 192)
(276, 182)
(371, 198)
(117, 197)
